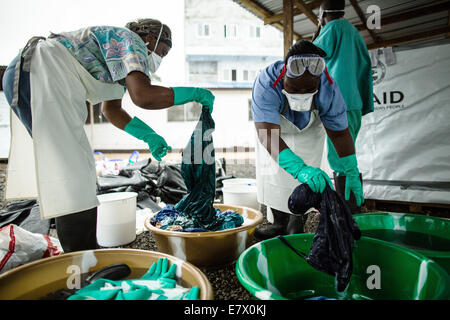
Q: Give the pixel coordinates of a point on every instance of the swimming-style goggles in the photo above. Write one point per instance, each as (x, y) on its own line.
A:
(298, 64)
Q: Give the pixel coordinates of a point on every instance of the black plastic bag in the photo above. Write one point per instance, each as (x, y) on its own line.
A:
(332, 246)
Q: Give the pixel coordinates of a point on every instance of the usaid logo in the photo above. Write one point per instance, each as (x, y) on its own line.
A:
(378, 73)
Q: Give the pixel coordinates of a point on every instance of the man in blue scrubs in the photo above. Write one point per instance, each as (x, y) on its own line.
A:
(295, 106)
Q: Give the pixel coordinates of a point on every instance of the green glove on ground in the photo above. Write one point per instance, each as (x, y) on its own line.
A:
(315, 178)
(139, 129)
(157, 284)
(352, 180)
(183, 95)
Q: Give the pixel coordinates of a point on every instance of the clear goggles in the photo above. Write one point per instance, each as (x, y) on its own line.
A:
(297, 65)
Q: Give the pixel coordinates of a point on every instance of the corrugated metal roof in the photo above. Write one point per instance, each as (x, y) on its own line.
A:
(400, 19)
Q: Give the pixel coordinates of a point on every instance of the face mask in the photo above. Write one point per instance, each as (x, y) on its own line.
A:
(155, 61)
(300, 101)
(153, 58)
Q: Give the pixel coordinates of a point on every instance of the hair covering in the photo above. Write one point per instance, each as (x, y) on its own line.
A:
(333, 5)
(302, 47)
(145, 26)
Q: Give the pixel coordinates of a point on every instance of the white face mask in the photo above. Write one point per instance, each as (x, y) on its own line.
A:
(155, 61)
(153, 58)
(300, 101)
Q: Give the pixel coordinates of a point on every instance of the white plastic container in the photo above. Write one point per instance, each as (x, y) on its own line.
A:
(239, 181)
(241, 195)
(116, 219)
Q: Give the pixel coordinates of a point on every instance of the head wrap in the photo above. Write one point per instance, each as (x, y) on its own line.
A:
(144, 27)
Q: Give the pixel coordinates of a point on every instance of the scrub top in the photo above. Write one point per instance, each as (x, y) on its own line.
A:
(109, 54)
(268, 102)
(348, 61)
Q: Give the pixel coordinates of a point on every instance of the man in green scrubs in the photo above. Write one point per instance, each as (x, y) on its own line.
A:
(348, 62)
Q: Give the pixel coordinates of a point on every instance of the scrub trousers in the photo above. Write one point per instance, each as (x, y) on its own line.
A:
(76, 231)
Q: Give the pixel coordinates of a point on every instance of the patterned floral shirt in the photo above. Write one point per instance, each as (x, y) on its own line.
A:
(109, 54)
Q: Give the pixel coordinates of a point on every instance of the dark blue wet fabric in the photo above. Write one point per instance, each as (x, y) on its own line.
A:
(198, 170)
(332, 246)
(169, 216)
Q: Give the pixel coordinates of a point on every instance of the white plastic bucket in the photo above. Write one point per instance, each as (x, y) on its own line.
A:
(116, 219)
(239, 181)
(240, 195)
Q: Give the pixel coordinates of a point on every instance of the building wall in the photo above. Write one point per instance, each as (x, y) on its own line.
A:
(231, 116)
(209, 62)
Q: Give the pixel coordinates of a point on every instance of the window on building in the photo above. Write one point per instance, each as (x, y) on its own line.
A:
(97, 114)
(250, 115)
(226, 75)
(233, 75)
(203, 30)
(255, 32)
(245, 75)
(203, 67)
(252, 75)
(188, 112)
(230, 31)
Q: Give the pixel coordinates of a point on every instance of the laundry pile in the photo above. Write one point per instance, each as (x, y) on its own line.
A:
(172, 220)
(332, 246)
(195, 211)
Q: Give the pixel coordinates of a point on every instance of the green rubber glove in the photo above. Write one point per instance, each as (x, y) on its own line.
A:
(159, 283)
(139, 129)
(352, 181)
(315, 178)
(183, 95)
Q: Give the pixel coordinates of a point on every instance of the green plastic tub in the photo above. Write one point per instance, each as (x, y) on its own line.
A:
(270, 270)
(429, 236)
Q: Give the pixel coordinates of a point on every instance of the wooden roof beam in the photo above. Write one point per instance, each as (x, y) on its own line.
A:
(306, 10)
(259, 10)
(409, 38)
(363, 19)
(410, 14)
(297, 11)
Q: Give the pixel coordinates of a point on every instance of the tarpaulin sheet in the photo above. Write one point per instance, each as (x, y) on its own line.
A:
(403, 147)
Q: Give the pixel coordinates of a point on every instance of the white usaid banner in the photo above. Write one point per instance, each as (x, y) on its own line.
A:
(403, 147)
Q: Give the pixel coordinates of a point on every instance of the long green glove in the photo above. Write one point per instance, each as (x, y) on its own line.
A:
(352, 181)
(315, 178)
(157, 284)
(183, 95)
(139, 129)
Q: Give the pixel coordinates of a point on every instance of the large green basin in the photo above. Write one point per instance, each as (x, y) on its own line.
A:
(429, 236)
(270, 270)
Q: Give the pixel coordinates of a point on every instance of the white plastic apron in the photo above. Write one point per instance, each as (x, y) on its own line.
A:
(274, 184)
(63, 160)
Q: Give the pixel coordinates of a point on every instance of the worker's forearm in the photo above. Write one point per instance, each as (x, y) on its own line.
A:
(145, 95)
(115, 114)
(269, 136)
(342, 142)
(156, 97)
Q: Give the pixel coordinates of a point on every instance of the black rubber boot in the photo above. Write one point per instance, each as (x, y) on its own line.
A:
(78, 231)
(278, 227)
(296, 224)
(339, 182)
